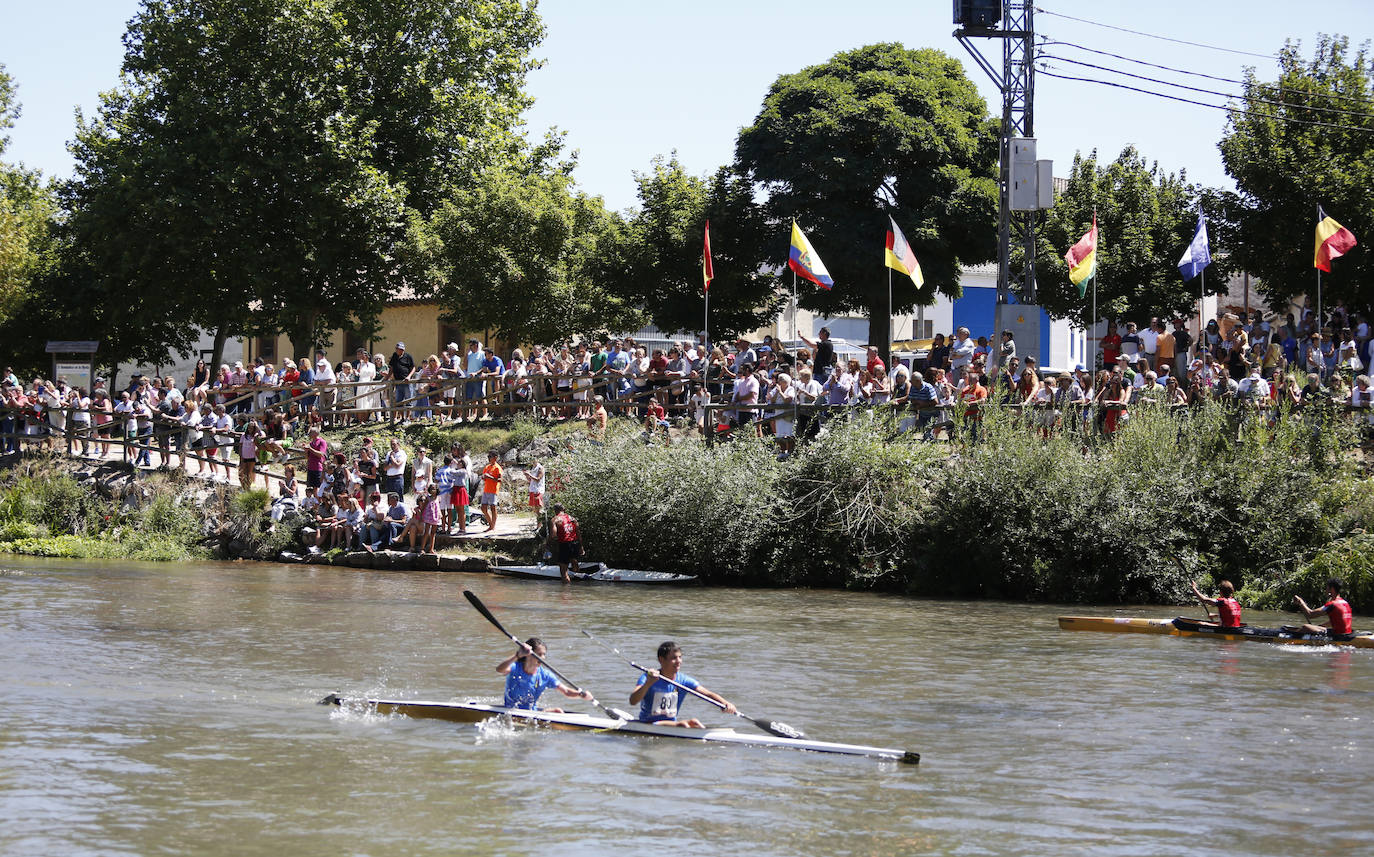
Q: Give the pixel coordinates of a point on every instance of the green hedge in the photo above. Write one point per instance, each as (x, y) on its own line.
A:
(1130, 519)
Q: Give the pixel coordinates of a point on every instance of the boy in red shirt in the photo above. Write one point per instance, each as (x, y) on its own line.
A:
(568, 542)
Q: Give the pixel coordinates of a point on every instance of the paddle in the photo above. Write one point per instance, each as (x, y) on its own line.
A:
(780, 729)
(482, 608)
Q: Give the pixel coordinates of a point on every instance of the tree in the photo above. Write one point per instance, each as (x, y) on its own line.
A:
(874, 132)
(1304, 140)
(660, 268)
(27, 214)
(1145, 220)
(520, 251)
(264, 164)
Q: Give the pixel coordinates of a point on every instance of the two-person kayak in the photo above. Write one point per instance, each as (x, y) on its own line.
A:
(476, 712)
(1183, 627)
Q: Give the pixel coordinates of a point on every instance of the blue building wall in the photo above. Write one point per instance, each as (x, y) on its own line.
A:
(977, 310)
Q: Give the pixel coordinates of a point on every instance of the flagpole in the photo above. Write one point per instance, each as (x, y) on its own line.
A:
(1201, 296)
(1318, 319)
(1097, 341)
(794, 306)
(706, 322)
(887, 347)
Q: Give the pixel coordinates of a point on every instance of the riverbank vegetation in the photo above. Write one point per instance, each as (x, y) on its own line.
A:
(46, 511)
(1214, 493)
(1210, 494)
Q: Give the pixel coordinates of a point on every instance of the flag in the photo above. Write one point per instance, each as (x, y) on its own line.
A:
(1333, 241)
(1082, 259)
(899, 255)
(802, 259)
(706, 273)
(1199, 254)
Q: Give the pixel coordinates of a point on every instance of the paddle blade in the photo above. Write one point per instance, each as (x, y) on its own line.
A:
(782, 730)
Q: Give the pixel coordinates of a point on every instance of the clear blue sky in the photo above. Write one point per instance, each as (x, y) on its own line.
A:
(631, 80)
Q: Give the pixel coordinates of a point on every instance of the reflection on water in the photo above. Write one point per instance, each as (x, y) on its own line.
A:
(172, 709)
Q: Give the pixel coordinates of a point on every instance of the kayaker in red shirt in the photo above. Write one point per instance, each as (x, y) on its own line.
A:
(1227, 606)
(1336, 609)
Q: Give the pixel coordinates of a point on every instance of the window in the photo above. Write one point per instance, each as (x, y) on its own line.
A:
(267, 348)
(923, 329)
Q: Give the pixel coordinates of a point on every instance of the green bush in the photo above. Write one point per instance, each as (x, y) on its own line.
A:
(12, 530)
(1171, 498)
(249, 502)
(1350, 560)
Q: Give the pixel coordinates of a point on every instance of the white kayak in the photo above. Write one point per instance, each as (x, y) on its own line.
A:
(475, 712)
(594, 572)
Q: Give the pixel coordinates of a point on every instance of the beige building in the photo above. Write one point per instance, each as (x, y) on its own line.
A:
(414, 322)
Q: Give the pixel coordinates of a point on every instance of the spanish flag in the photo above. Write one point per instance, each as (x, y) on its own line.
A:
(803, 260)
(899, 255)
(1082, 259)
(1333, 241)
(707, 274)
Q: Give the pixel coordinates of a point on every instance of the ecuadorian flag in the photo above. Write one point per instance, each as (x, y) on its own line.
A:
(1082, 259)
(805, 262)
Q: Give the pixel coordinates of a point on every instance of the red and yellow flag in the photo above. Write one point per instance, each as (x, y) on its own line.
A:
(707, 274)
(1082, 259)
(1333, 241)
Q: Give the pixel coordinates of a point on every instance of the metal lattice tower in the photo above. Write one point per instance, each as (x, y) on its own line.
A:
(1016, 80)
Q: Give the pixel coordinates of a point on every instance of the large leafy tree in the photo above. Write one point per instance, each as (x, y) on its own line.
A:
(1145, 219)
(660, 263)
(520, 251)
(265, 164)
(877, 131)
(27, 211)
(1303, 140)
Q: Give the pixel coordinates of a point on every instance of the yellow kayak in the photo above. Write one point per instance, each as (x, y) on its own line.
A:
(1182, 627)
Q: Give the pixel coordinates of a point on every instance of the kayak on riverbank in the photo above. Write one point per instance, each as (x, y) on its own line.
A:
(595, 572)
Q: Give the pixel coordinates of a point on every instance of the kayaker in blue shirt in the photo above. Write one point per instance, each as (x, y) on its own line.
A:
(527, 678)
(659, 700)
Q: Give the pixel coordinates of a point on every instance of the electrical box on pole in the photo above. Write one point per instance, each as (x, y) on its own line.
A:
(1021, 191)
(984, 14)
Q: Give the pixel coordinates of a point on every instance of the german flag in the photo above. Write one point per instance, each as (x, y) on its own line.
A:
(1333, 241)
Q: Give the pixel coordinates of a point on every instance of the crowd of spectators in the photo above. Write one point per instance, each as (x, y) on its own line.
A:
(259, 410)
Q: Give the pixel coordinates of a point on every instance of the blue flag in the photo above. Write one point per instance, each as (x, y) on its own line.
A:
(1198, 255)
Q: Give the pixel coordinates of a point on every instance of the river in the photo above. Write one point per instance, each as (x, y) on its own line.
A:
(170, 709)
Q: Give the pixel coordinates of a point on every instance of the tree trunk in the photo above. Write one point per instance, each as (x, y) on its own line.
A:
(221, 337)
(880, 332)
(302, 335)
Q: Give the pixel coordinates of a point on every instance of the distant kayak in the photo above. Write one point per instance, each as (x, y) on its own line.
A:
(1182, 627)
(599, 573)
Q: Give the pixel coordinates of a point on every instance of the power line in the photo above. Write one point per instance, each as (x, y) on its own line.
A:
(1225, 107)
(1043, 11)
(1336, 96)
(1251, 98)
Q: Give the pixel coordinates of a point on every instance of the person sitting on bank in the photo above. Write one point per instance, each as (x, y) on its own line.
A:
(659, 700)
(1228, 608)
(527, 678)
(1336, 610)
